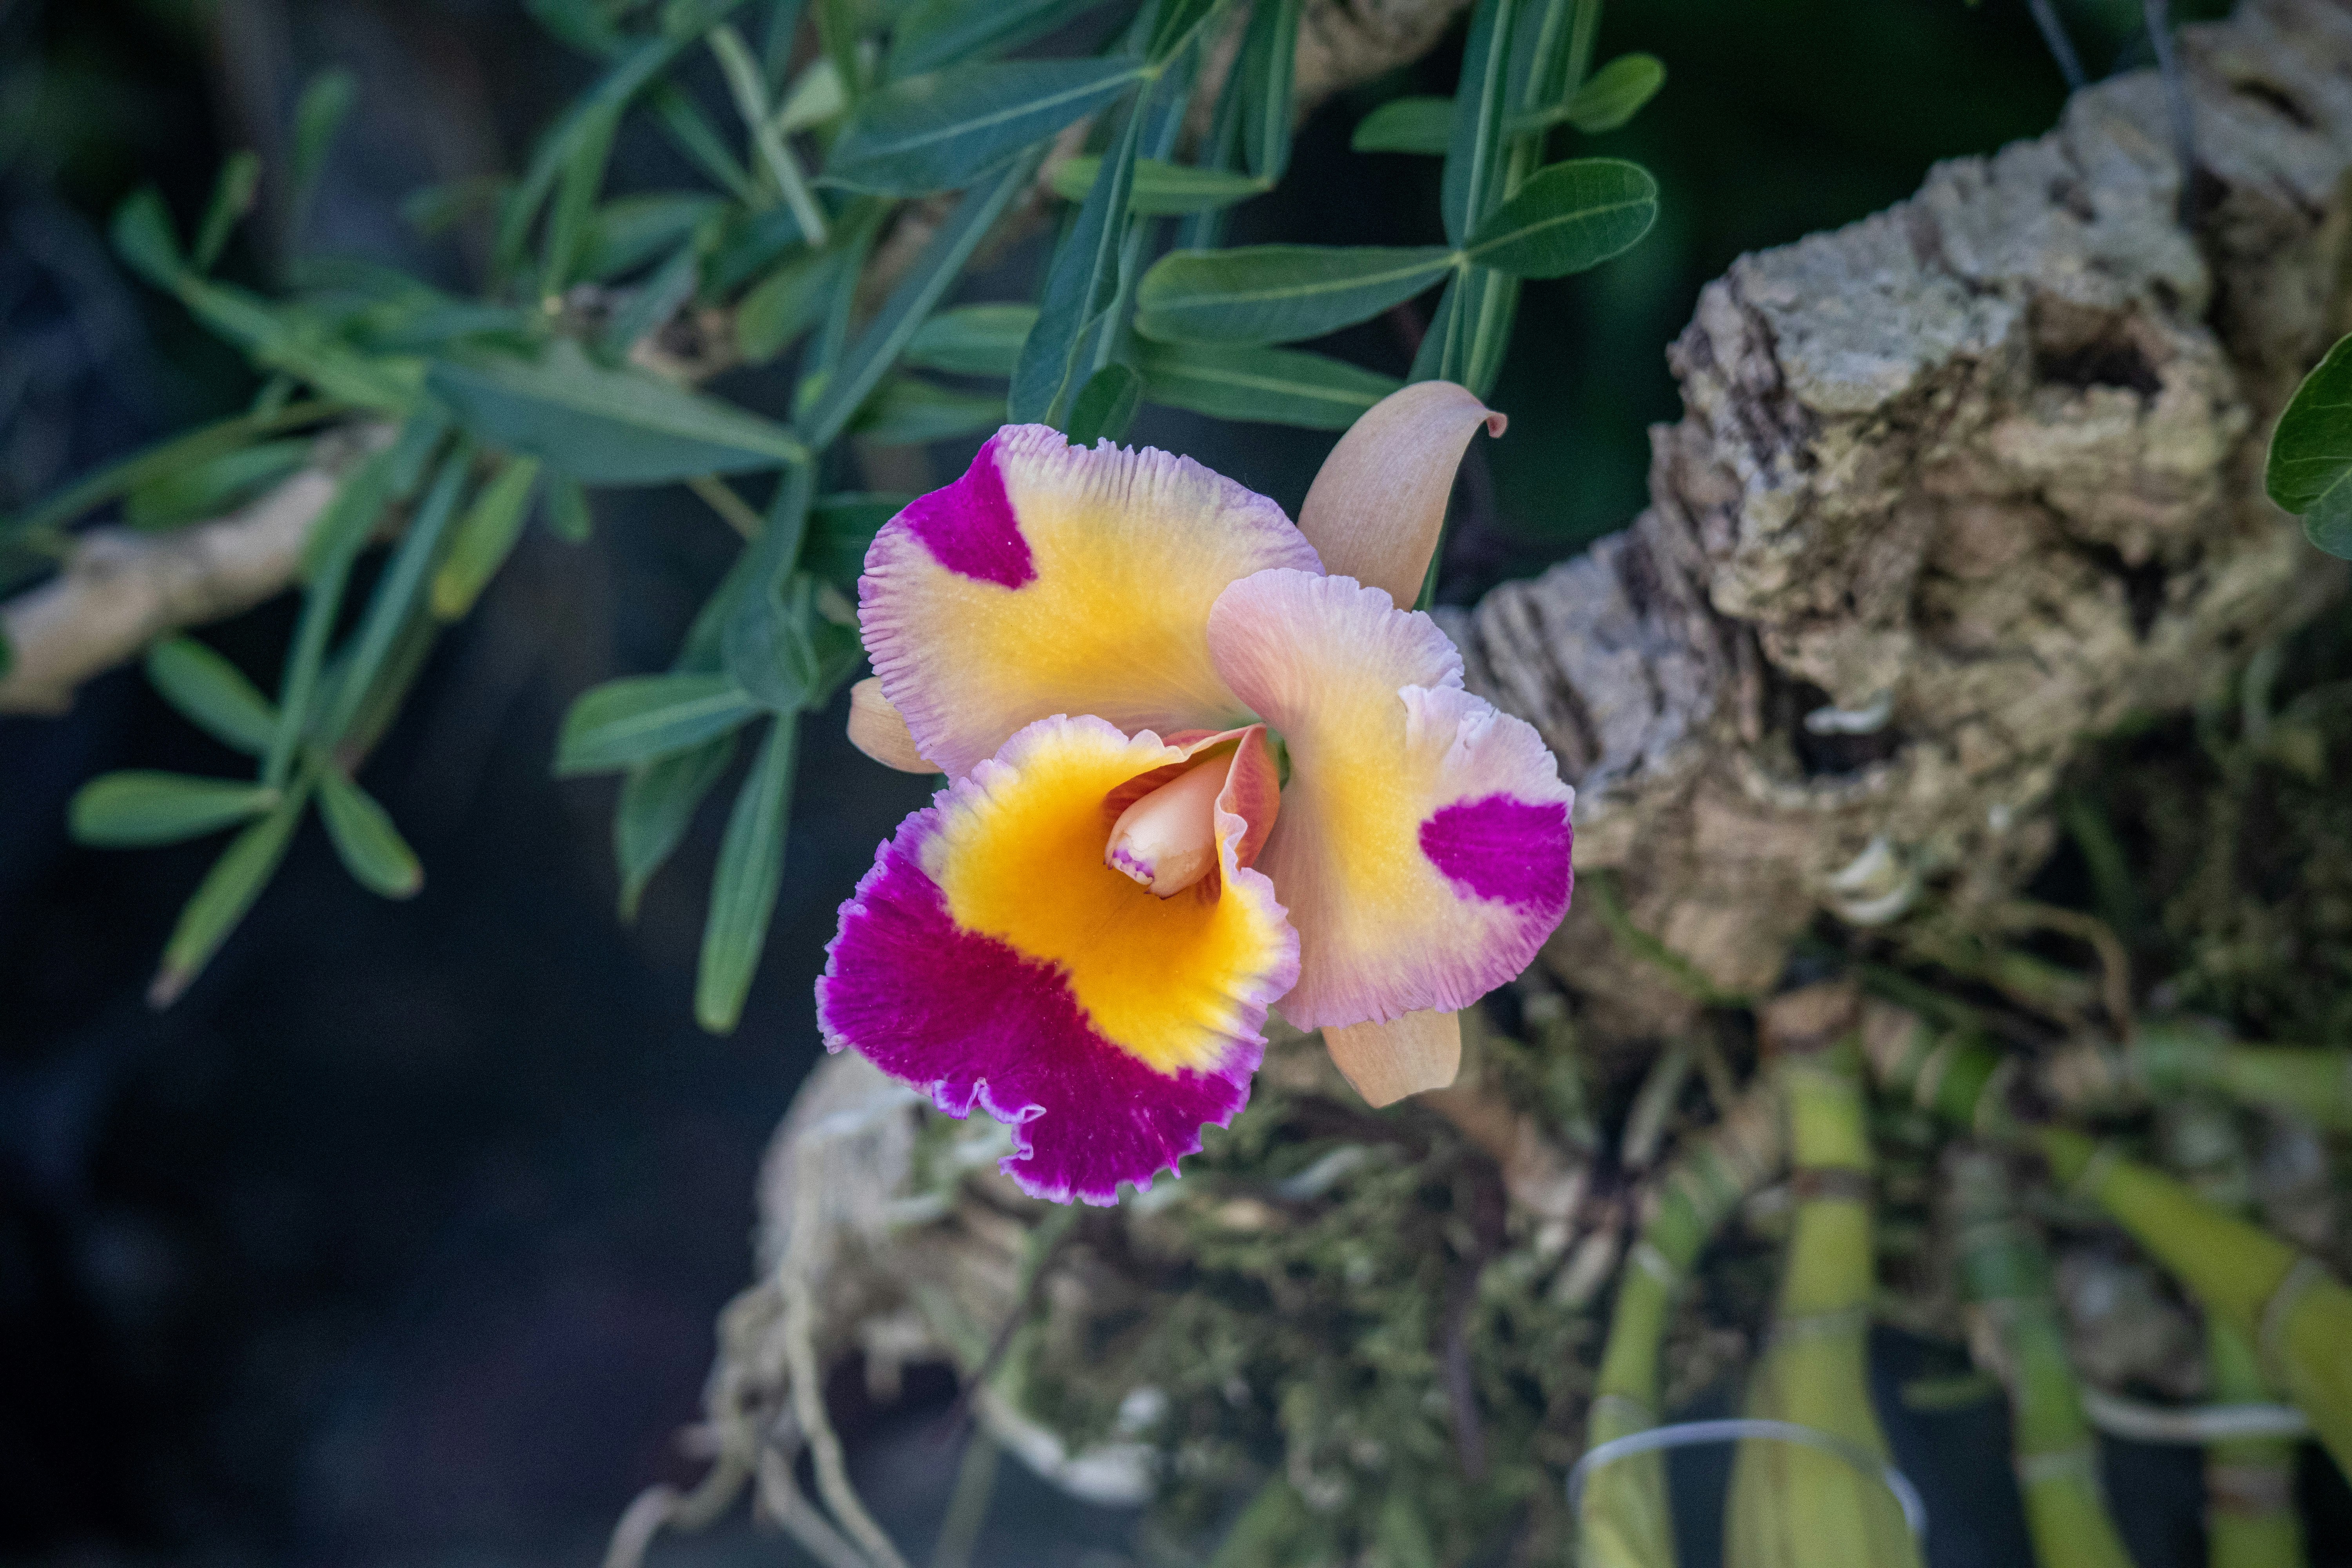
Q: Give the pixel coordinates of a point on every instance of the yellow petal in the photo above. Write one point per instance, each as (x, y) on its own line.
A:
(1375, 509)
(876, 728)
(1388, 1061)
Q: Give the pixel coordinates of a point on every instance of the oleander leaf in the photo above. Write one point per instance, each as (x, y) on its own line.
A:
(635, 719)
(136, 808)
(1406, 125)
(366, 841)
(750, 873)
(939, 132)
(212, 694)
(1161, 189)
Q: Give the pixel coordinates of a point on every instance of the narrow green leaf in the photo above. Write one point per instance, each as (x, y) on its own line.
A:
(144, 238)
(1175, 24)
(1268, 64)
(2309, 472)
(938, 33)
(841, 529)
(817, 98)
(1566, 219)
(136, 809)
(623, 722)
(1614, 95)
(233, 195)
(1279, 293)
(1406, 125)
(1273, 386)
(485, 539)
(659, 800)
(212, 694)
(867, 360)
(370, 847)
(774, 315)
(750, 92)
(621, 82)
(751, 872)
(690, 131)
(607, 426)
(1475, 150)
(336, 540)
(1080, 286)
(766, 647)
(568, 216)
(566, 513)
(973, 340)
(1106, 405)
(398, 591)
(836, 34)
(653, 301)
(909, 411)
(319, 117)
(213, 487)
(936, 132)
(1161, 189)
(164, 459)
(222, 898)
(630, 231)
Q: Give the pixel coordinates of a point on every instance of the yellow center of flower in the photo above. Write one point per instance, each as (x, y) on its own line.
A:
(1025, 862)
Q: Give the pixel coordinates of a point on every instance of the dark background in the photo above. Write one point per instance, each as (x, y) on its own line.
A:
(400, 1238)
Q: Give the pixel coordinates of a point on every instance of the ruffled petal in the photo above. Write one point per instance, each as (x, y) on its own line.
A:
(991, 958)
(1054, 579)
(1423, 848)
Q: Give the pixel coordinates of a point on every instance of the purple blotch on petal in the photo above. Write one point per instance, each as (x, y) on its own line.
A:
(969, 527)
(969, 1019)
(1500, 847)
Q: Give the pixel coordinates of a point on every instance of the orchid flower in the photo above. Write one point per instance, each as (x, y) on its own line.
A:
(1203, 763)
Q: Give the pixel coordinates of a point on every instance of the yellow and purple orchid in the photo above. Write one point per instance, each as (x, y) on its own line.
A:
(1202, 765)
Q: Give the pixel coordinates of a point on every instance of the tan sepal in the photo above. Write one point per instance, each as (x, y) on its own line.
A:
(1375, 509)
(1388, 1061)
(877, 729)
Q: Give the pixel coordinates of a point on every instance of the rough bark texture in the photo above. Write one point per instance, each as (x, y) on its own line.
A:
(1964, 484)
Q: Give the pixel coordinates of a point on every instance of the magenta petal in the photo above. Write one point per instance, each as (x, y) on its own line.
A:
(970, 1020)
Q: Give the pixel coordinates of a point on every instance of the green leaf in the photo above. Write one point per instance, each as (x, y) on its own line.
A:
(934, 272)
(1476, 155)
(296, 339)
(783, 304)
(587, 118)
(766, 647)
(659, 800)
(397, 592)
(629, 231)
(485, 539)
(1279, 293)
(144, 236)
(1161, 189)
(233, 195)
(938, 33)
(319, 117)
(623, 722)
(973, 340)
(690, 131)
(842, 529)
(335, 541)
(939, 132)
(751, 872)
(164, 459)
(1406, 125)
(136, 809)
(1273, 386)
(910, 411)
(1268, 64)
(1081, 287)
(1106, 405)
(607, 426)
(212, 694)
(211, 488)
(653, 301)
(370, 847)
(222, 898)
(1614, 95)
(2309, 472)
(570, 216)
(1175, 24)
(566, 513)
(1566, 219)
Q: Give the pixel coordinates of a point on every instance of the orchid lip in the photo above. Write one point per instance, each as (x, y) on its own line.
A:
(1168, 841)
